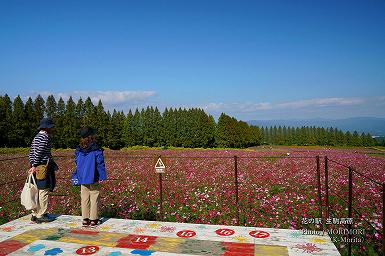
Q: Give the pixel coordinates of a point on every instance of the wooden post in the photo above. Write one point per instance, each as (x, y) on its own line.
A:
(383, 218)
(350, 209)
(319, 188)
(327, 186)
(236, 186)
(161, 195)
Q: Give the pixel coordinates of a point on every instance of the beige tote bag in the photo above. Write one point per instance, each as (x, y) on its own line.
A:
(30, 193)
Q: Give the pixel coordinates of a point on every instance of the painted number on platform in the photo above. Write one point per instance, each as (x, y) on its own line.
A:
(87, 250)
(141, 239)
(186, 233)
(259, 234)
(225, 232)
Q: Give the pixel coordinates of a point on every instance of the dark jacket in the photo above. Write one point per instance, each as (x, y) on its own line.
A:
(50, 180)
(90, 167)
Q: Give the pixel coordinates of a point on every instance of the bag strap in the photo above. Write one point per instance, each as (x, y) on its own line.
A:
(29, 178)
(33, 179)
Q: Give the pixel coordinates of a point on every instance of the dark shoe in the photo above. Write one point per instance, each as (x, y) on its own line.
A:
(86, 222)
(43, 219)
(94, 223)
(33, 218)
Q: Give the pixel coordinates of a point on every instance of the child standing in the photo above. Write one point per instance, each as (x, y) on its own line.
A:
(90, 170)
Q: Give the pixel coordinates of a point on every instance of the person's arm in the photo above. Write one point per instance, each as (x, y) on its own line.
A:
(101, 168)
(31, 157)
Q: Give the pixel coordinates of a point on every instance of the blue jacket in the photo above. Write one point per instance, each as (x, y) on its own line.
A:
(90, 165)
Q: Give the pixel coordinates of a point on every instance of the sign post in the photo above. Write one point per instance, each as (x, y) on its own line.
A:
(159, 168)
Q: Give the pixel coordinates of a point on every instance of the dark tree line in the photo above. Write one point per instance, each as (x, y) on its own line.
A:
(315, 136)
(190, 128)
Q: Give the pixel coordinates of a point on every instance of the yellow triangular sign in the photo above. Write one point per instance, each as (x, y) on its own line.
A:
(159, 166)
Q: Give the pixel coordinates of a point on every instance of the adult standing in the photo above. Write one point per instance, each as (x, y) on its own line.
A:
(90, 169)
(43, 167)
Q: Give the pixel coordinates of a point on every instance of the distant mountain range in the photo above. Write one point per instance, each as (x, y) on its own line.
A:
(372, 125)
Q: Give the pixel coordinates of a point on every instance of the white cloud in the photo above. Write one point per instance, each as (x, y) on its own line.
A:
(113, 97)
(251, 107)
(107, 97)
(300, 104)
(215, 106)
(322, 102)
(242, 107)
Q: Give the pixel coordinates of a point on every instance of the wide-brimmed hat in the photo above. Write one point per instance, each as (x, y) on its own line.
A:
(46, 123)
(87, 131)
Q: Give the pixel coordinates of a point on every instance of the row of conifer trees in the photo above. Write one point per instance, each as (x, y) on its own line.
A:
(190, 128)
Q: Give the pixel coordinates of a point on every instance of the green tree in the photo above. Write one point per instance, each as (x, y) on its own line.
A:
(71, 125)
(151, 123)
(137, 133)
(39, 110)
(29, 115)
(348, 139)
(89, 118)
(227, 134)
(115, 131)
(101, 123)
(5, 120)
(59, 137)
(80, 112)
(204, 130)
(51, 107)
(169, 127)
(127, 130)
(356, 139)
(17, 135)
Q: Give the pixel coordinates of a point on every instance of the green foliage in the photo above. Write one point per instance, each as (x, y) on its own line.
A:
(14, 150)
(115, 131)
(147, 127)
(236, 134)
(276, 189)
(311, 136)
(5, 119)
(17, 130)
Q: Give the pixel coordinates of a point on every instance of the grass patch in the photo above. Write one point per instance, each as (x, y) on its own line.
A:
(382, 149)
(376, 154)
(14, 150)
(276, 189)
(26, 150)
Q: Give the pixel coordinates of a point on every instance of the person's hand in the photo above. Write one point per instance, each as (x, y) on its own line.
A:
(32, 170)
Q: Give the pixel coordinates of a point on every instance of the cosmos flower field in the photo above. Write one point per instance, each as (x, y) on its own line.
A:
(277, 187)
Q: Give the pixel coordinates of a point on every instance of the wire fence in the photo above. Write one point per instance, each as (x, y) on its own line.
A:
(269, 190)
(359, 201)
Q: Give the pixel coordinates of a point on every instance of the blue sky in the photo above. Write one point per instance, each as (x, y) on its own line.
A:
(250, 59)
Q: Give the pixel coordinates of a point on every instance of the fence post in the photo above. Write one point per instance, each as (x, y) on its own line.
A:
(236, 186)
(383, 218)
(319, 187)
(350, 208)
(327, 186)
(161, 195)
